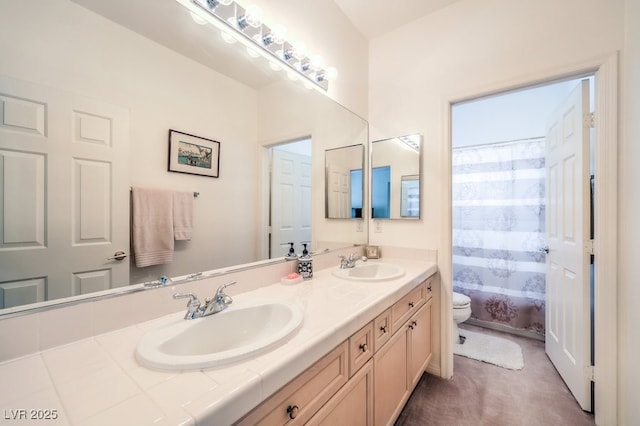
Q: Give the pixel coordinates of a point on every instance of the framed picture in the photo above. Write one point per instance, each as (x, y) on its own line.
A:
(193, 155)
(410, 196)
(372, 252)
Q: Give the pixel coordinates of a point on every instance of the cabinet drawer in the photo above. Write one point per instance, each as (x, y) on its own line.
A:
(429, 283)
(360, 348)
(298, 401)
(381, 329)
(402, 310)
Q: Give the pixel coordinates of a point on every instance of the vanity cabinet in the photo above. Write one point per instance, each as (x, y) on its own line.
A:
(390, 382)
(299, 400)
(400, 362)
(367, 379)
(419, 344)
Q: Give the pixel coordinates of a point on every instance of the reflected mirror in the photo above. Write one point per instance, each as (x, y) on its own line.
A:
(344, 183)
(86, 76)
(396, 177)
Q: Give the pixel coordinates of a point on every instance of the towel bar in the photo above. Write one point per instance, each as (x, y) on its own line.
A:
(195, 194)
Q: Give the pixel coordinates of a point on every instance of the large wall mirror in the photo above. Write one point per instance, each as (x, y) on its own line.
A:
(396, 177)
(85, 76)
(344, 182)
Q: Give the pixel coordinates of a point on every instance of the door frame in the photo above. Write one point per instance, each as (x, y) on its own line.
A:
(605, 69)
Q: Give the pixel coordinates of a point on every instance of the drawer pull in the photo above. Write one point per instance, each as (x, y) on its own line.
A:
(411, 304)
(414, 323)
(292, 411)
(429, 288)
(383, 328)
(411, 326)
(363, 347)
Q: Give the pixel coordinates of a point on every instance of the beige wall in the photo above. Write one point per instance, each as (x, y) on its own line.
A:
(465, 50)
(476, 47)
(629, 225)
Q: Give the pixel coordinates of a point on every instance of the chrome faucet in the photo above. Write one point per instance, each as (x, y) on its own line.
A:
(219, 303)
(350, 262)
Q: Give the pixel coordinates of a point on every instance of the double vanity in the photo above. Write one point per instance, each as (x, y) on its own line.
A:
(346, 347)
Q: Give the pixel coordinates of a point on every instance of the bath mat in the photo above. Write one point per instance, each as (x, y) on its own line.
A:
(494, 350)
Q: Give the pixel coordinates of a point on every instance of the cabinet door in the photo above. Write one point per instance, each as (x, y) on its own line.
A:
(352, 405)
(419, 343)
(390, 381)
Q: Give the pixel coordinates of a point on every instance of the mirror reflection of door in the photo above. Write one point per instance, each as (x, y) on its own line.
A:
(290, 204)
(64, 191)
(344, 189)
(356, 193)
(381, 192)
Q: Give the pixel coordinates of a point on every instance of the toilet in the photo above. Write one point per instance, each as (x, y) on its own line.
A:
(461, 313)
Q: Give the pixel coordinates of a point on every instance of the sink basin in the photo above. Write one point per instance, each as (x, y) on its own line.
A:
(370, 272)
(240, 331)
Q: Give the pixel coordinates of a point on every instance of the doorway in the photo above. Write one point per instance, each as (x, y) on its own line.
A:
(501, 226)
(289, 196)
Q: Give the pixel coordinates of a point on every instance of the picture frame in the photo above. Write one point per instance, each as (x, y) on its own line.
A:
(193, 154)
(410, 196)
(372, 252)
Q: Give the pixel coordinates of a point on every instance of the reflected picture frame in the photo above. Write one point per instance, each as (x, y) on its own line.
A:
(193, 154)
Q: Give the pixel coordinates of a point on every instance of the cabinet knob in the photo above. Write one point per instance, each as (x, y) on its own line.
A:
(429, 288)
(293, 411)
(414, 323)
(411, 304)
(363, 347)
(383, 328)
(411, 326)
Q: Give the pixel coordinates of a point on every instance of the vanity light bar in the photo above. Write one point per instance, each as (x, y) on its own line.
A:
(246, 25)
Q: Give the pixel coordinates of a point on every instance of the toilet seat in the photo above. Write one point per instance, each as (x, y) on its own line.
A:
(460, 301)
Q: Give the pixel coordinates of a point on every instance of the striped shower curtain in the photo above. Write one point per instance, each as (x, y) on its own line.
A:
(499, 230)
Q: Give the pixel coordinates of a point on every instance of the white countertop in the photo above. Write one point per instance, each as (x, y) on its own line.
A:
(98, 380)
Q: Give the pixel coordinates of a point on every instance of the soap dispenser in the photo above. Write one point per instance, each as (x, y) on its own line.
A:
(292, 254)
(305, 264)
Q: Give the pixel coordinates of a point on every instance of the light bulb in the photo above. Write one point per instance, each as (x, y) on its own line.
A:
(252, 52)
(278, 33)
(299, 50)
(317, 62)
(275, 66)
(228, 38)
(331, 74)
(212, 4)
(198, 19)
(253, 15)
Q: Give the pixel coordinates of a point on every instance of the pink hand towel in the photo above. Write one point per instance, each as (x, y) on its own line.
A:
(182, 215)
(152, 226)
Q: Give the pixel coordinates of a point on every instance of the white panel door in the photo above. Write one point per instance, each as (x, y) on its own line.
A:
(568, 338)
(290, 201)
(64, 194)
(339, 192)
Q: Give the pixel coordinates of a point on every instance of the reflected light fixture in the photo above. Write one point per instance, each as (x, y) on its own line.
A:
(412, 141)
(245, 25)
